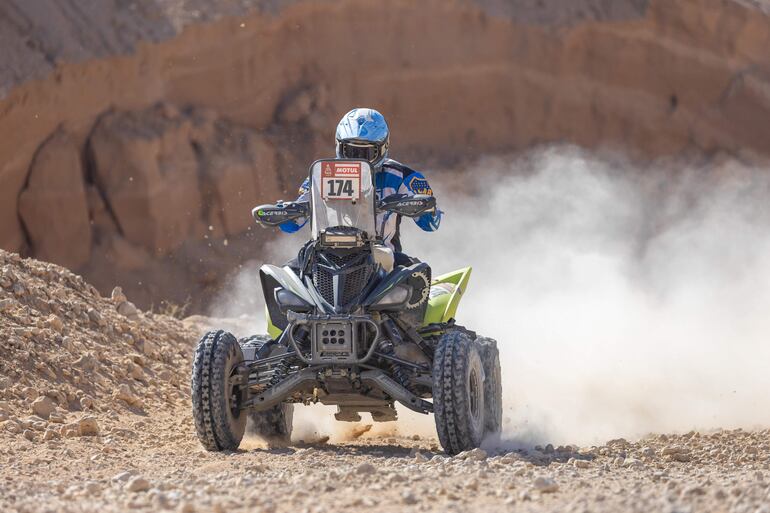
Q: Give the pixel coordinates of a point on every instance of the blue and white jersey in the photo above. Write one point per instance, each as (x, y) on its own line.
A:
(390, 178)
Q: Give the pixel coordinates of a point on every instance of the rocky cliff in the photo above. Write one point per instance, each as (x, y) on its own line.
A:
(136, 135)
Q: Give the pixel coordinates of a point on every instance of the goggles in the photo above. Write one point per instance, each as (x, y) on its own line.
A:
(366, 151)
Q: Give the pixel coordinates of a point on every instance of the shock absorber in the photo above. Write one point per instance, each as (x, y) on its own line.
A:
(386, 348)
(281, 370)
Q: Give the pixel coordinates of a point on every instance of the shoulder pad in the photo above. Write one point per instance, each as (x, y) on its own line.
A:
(393, 164)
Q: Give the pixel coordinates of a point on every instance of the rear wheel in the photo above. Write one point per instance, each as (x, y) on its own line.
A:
(493, 386)
(275, 423)
(216, 398)
(459, 398)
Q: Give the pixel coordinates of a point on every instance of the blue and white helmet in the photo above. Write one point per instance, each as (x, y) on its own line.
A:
(363, 134)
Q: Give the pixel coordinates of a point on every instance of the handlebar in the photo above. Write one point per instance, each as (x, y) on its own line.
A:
(402, 204)
(273, 215)
(409, 206)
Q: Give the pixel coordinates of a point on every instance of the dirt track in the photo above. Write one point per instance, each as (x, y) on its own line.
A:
(95, 416)
(152, 463)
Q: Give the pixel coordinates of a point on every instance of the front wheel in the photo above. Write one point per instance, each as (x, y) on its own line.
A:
(465, 401)
(274, 424)
(216, 398)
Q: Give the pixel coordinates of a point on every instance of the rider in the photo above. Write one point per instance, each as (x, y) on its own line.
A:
(363, 134)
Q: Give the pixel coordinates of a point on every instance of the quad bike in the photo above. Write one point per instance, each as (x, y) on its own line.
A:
(347, 327)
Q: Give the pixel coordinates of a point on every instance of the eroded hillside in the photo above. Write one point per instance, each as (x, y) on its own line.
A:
(136, 135)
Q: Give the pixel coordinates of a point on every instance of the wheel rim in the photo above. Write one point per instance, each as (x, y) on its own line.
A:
(476, 394)
(233, 397)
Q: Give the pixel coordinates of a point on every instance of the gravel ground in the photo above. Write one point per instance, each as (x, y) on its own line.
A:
(95, 416)
(156, 463)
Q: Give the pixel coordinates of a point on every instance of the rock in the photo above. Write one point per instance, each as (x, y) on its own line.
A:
(633, 463)
(68, 344)
(693, 490)
(408, 497)
(123, 476)
(69, 431)
(581, 463)
(135, 371)
(56, 418)
(150, 349)
(96, 317)
(420, 457)
(138, 359)
(51, 434)
(88, 426)
(672, 449)
(29, 435)
(186, 507)
(86, 402)
(237, 163)
(296, 106)
(19, 290)
(53, 205)
(137, 484)
(147, 171)
(125, 394)
(12, 426)
(545, 485)
(117, 296)
(365, 468)
(30, 393)
(55, 323)
(128, 310)
(85, 362)
(6, 304)
(648, 452)
(92, 488)
(476, 454)
(43, 407)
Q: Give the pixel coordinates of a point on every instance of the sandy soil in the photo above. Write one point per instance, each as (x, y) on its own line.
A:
(95, 416)
(155, 463)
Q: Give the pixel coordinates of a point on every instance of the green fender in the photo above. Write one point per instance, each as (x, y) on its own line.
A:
(445, 294)
(272, 329)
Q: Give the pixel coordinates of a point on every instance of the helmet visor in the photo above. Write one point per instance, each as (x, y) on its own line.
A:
(365, 151)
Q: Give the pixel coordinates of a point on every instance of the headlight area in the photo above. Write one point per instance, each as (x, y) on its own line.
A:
(288, 300)
(394, 298)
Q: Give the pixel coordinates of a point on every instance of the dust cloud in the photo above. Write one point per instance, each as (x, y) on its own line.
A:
(625, 300)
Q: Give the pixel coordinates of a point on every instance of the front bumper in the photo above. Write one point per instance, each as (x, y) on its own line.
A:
(335, 339)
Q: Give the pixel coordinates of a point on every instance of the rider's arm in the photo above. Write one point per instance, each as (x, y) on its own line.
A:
(304, 196)
(416, 183)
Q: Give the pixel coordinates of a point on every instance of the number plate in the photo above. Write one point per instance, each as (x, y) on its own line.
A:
(341, 181)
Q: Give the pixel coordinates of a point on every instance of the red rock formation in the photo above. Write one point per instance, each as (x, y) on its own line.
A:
(53, 205)
(455, 78)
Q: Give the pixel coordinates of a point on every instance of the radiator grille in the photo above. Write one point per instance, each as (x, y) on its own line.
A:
(353, 271)
(324, 284)
(355, 282)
